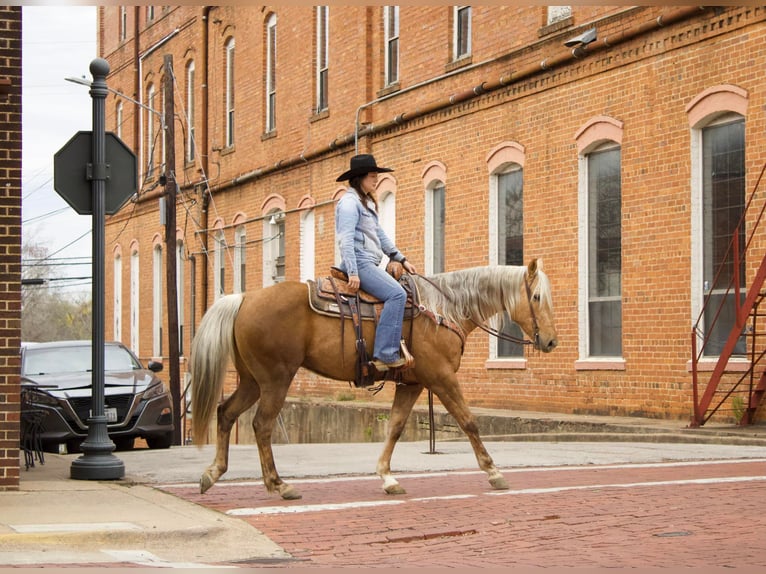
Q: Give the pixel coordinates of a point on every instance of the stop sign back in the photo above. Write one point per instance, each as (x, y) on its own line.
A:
(71, 173)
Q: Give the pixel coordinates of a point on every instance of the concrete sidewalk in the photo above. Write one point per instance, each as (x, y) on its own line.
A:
(53, 519)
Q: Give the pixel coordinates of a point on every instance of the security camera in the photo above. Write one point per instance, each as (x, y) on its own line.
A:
(582, 40)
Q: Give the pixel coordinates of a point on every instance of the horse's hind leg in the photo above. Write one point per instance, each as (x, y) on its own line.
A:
(263, 425)
(404, 399)
(243, 398)
(448, 391)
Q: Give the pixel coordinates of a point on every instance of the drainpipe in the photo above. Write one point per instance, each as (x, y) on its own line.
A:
(203, 153)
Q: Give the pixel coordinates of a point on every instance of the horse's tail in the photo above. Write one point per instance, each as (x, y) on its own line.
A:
(211, 349)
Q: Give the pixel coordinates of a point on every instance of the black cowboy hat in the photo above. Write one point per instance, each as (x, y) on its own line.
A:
(360, 165)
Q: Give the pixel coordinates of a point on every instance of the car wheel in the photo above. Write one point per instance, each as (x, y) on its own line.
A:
(124, 443)
(160, 440)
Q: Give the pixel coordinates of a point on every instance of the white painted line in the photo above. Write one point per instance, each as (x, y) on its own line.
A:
(441, 473)
(309, 508)
(269, 510)
(723, 480)
(144, 558)
(74, 527)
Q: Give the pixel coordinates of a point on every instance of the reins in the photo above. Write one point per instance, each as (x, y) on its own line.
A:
(494, 332)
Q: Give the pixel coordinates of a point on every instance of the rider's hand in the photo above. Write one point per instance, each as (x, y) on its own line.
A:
(409, 267)
(353, 282)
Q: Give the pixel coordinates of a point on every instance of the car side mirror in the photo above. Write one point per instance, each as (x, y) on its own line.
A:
(154, 366)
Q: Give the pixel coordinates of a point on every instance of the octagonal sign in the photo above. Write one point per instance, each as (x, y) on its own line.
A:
(71, 173)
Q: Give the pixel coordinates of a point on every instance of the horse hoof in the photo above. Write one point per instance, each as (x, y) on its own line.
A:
(394, 489)
(290, 493)
(205, 482)
(499, 483)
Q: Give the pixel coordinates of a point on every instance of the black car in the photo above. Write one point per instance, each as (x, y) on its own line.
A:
(56, 383)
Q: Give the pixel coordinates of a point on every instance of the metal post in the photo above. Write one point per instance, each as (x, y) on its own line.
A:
(98, 462)
(170, 247)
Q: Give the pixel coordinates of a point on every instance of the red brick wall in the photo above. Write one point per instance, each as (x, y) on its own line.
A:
(10, 247)
(645, 82)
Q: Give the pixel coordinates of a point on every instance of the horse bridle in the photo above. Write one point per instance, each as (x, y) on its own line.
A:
(499, 334)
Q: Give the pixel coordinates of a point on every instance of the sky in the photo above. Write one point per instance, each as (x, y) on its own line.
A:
(57, 42)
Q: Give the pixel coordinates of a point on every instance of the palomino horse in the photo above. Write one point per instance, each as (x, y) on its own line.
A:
(269, 334)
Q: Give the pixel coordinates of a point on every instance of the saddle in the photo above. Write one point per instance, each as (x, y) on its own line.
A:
(332, 296)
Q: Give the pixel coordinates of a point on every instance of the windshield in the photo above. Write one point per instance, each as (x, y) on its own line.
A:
(60, 360)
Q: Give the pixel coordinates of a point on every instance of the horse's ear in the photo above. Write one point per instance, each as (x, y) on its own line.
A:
(533, 267)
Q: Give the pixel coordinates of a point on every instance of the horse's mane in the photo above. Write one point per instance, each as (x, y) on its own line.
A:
(478, 293)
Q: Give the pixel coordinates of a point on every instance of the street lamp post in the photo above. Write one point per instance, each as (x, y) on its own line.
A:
(98, 462)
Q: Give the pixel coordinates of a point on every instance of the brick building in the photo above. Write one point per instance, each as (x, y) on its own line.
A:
(10, 246)
(597, 138)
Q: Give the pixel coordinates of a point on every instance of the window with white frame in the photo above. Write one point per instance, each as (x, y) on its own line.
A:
(150, 13)
(604, 251)
(509, 189)
(123, 23)
(219, 264)
(150, 129)
(230, 92)
(117, 322)
(118, 120)
(322, 54)
(558, 13)
(161, 134)
(391, 25)
(157, 301)
(190, 111)
(274, 248)
(308, 246)
(723, 203)
(180, 299)
(240, 258)
(435, 220)
(387, 216)
(462, 32)
(271, 73)
(135, 309)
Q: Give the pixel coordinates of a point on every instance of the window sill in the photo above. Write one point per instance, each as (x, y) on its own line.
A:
(320, 116)
(595, 364)
(459, 63)
(516, 364)
(390, 89)
(736, 365)
(555, 27)
(268, 135)
(228, 150)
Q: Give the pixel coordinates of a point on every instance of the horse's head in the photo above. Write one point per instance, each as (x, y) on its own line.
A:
(534, 313)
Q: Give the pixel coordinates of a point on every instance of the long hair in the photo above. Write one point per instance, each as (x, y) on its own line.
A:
(479, 293)
(356, 183)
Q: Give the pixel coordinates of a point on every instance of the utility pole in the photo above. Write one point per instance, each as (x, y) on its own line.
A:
(170, 248)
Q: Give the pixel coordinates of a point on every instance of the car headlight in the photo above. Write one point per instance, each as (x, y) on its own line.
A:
(39, 398)
(154, 390)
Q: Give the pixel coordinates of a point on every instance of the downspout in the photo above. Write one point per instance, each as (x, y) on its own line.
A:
(464, 95)
(204, 152)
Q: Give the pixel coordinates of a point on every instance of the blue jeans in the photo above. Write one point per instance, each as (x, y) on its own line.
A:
(388, 333)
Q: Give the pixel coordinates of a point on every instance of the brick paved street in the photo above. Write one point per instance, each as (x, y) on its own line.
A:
(696, 514)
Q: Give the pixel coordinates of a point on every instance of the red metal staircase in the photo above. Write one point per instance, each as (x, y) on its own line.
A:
(739, 393)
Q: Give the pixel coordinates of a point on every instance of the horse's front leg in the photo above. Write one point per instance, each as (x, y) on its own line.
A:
(450, 395)
(228, 412)
(404, 399)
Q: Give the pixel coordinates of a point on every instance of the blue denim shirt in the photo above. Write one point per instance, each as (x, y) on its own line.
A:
(359, 234)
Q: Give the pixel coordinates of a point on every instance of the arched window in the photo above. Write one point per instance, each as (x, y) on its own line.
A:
(600, 240)
(434, 180)
(717, 122)
(506, 211)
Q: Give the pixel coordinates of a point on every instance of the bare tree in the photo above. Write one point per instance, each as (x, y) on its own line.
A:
(47, 313)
